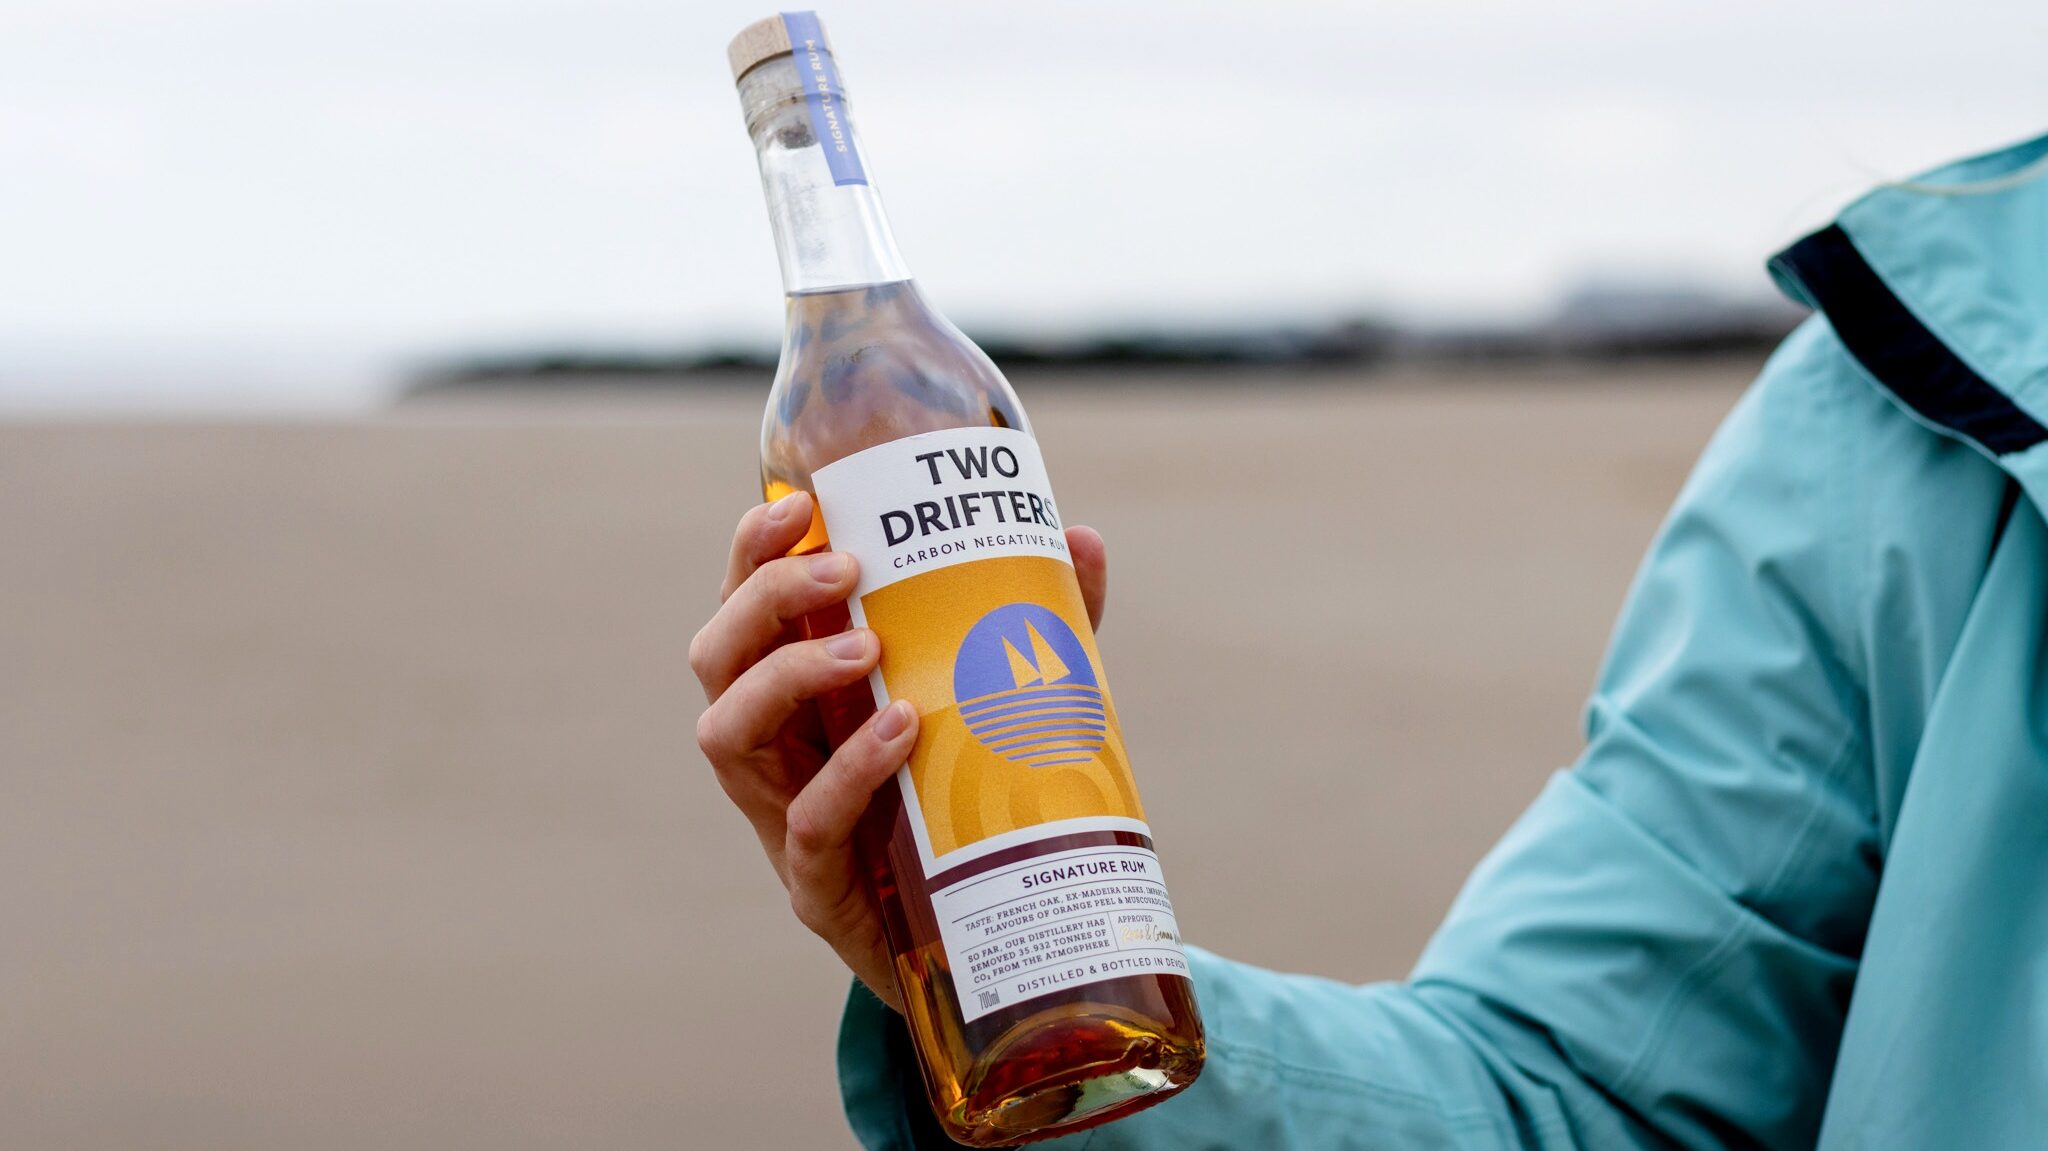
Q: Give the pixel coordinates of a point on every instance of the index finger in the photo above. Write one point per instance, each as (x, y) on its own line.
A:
(766, 532)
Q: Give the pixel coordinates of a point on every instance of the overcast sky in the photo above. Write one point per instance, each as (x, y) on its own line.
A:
(284, 204)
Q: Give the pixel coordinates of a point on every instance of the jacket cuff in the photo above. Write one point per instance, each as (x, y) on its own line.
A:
(878, 1077)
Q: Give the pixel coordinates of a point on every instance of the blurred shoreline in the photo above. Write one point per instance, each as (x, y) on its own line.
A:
(1593, 327)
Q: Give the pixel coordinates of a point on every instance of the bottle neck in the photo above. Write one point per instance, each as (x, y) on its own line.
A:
(830, 232)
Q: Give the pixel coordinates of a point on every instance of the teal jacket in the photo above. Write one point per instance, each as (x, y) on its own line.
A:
(1795, 891)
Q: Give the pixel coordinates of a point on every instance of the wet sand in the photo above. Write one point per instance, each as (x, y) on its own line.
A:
(347, 789)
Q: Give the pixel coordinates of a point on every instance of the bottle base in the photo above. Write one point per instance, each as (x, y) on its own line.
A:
(1036, 1089)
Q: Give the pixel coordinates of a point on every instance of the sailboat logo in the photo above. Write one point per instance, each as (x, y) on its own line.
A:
(1027, 689)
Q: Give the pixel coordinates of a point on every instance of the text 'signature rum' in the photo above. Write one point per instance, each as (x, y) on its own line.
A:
(1037, 955)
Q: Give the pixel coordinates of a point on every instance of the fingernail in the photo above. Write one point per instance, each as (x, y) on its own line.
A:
(781, 509)
(893, 721)
(848, 645)
(828, 567)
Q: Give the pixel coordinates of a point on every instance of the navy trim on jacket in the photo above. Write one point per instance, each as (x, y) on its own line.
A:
(1894, 346)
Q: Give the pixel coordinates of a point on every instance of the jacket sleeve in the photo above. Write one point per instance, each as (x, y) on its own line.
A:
(1660, 952)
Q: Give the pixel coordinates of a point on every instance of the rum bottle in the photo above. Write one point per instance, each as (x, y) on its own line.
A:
(1036, 952)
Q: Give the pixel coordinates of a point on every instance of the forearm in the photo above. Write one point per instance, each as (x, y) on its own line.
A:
(1294, 1062)
(1661, 952)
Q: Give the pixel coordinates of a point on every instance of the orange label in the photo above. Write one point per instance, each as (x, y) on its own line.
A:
(1018, 728)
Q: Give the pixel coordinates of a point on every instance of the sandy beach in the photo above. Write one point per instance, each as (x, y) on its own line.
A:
(348, 795)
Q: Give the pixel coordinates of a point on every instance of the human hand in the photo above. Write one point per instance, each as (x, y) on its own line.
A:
(766, 742)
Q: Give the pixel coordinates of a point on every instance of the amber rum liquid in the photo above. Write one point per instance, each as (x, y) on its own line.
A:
(1036, 951)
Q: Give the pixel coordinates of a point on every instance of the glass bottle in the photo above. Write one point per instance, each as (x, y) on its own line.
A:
(1036, 954)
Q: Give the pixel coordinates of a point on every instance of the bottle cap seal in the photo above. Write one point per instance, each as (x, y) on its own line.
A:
(757, 42)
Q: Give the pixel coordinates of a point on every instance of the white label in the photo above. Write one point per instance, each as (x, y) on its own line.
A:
(1057, 921)
(936, 499)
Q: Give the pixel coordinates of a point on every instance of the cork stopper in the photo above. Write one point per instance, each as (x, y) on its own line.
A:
(762, 40)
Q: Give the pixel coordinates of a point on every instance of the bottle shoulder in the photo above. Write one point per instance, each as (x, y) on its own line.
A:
(870, 365)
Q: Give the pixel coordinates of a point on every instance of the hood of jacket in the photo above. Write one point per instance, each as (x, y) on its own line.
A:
(1938, 286)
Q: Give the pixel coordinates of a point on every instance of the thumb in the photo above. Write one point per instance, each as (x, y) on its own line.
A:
(1091, 565)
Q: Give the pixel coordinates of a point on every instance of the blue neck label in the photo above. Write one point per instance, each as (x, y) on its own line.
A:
(827, 99)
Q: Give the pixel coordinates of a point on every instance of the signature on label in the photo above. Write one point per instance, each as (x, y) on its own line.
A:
(1148, 932)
